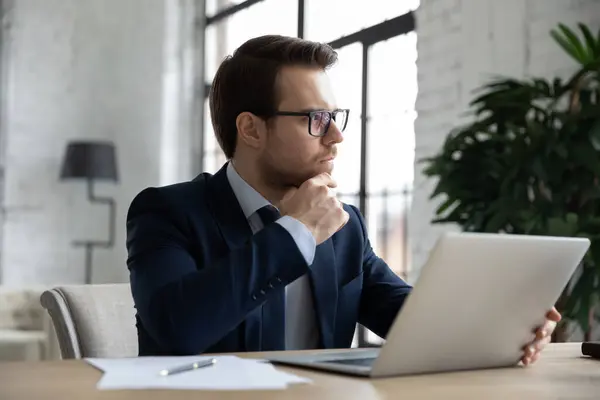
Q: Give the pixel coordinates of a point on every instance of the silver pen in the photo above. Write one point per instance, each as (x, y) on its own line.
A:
(188, 367)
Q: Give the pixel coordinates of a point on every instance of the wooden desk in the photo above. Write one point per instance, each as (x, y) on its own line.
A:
(560, 373)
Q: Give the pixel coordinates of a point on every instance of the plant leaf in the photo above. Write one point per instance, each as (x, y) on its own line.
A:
(561, 227)
(572, 218)
(496, 222)
(567, 46)
(595, 135)
(590, 40)
(576, 43)
(587, 156)
(561, 150)
(445, 205)
(581, 297)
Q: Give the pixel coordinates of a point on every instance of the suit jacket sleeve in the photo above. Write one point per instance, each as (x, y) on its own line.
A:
(383, 293)
(187, 307)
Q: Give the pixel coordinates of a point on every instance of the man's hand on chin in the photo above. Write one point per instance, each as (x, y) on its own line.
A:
(543, 335)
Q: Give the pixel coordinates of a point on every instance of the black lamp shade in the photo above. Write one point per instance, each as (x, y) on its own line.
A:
(90, 160)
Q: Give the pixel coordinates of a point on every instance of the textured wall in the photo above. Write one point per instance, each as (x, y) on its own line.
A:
(77, 69)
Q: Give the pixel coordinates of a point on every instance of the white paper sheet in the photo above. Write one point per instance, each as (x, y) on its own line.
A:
(229, 373)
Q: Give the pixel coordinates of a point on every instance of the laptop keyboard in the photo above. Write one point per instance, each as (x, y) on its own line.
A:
(363, 362)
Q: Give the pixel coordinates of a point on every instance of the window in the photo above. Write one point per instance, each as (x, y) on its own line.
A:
(266, 17)
(376, 78)
(391, 98)
(327, 20)
(345, 79)
(214, 6)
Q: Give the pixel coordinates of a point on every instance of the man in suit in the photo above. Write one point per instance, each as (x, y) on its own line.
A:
(262, 255)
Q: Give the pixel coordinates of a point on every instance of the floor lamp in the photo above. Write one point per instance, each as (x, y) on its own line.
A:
(92, 161)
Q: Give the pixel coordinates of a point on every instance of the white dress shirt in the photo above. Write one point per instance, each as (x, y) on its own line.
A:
(300, 322)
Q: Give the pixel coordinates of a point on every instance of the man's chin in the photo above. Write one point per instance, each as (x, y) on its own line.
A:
(326, 166)
(300, 177)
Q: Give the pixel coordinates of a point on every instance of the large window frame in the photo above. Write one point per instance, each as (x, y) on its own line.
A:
(367, 37)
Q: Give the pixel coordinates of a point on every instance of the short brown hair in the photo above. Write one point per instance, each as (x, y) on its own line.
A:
(245, 82)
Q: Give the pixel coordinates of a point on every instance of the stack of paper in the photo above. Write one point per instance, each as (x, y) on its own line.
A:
(228, 373)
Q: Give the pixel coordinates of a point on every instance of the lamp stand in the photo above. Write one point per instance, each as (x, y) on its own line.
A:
(90, 244)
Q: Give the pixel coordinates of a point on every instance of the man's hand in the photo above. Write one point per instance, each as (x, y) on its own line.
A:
(316, 206)
(542, 337)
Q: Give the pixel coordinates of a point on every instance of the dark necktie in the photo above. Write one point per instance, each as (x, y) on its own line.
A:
(273, 311)
(268, 214)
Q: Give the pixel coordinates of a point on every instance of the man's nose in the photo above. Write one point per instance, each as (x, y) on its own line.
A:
(333, 134)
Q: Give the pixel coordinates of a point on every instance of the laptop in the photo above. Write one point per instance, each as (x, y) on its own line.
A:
(474, 306)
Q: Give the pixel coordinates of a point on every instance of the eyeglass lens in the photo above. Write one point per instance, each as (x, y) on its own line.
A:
(320, 121)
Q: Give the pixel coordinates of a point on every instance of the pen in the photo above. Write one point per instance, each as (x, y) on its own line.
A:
(188, 367)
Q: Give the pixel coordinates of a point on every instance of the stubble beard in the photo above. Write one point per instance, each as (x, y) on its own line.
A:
(279, 178)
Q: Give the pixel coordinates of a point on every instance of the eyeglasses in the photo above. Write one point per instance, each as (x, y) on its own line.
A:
(319, 121)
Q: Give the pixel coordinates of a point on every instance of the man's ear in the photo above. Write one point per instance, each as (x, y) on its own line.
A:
(250, 129)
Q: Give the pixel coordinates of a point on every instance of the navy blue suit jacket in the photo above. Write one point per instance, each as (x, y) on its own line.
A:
(201, 282)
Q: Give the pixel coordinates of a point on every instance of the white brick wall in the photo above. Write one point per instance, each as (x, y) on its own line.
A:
(461, 43)
(78, 69)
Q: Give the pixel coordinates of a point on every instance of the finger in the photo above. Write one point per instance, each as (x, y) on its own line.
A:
(289, 194)
(333, 201)
(324, 179)
(331, 192)
(529, 350)
(539, 345)
(534, 358)
(528, 353)
(346, 217)
(553, 315)
(545, 330)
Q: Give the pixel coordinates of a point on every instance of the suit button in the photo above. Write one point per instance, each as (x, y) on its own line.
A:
(270, 285)
(253, 297)
(262, 292)
(277, 279)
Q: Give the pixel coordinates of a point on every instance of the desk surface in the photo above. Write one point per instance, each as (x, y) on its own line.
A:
(560, 373)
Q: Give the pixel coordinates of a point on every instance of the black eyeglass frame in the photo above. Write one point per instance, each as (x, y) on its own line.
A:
(311, 114)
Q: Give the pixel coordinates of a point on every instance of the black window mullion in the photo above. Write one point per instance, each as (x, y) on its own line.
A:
(300, 26)
(362, 199)
(228, 12)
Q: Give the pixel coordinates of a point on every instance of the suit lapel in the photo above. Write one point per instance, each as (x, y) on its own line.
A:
(236, 232)
(323, 279)
(227, 210)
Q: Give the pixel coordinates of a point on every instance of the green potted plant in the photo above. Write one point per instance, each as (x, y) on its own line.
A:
(529, 163)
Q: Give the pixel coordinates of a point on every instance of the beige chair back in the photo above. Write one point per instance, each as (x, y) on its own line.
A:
(93, 320)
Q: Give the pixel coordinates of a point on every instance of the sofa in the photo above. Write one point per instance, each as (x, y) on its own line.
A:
(26, 331)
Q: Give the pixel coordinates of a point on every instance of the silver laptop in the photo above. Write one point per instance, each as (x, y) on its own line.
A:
(475, 305)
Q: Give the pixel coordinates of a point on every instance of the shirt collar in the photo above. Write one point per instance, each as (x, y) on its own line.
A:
(250, 200)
